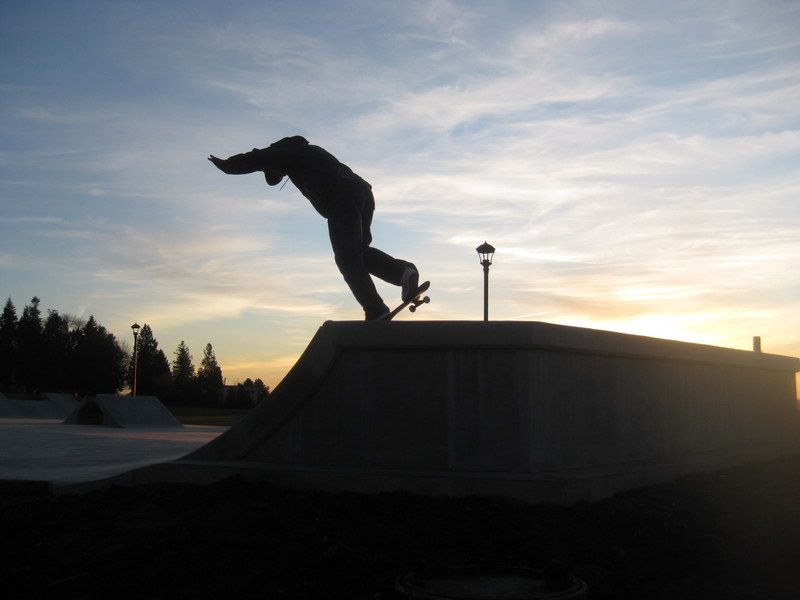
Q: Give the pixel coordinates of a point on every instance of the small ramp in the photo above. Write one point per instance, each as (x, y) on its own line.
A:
(130, 412)
(64, 403)
(51, 407)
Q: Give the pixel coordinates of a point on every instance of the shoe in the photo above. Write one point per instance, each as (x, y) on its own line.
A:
(410, 283)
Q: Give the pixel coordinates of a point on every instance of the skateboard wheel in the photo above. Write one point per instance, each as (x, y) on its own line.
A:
(426, 299)
(412, 308)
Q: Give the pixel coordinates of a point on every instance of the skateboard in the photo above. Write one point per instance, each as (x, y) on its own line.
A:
(415, 301)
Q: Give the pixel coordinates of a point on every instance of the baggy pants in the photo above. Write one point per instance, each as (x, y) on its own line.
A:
(350, 213)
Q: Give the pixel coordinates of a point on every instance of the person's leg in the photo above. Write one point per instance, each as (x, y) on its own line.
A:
(376, 261)
(385, 267)
(345, 230)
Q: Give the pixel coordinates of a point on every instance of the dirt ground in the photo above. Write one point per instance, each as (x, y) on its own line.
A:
(728, 535)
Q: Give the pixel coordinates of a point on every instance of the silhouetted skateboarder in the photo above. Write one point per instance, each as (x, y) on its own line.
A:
(346, 201)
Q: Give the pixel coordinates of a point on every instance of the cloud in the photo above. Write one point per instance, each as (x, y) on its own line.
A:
(562, 37)
(49, 115)
(20, 220)
(218, 273)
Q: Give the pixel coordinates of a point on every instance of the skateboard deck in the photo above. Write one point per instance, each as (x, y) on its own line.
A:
(416, 300)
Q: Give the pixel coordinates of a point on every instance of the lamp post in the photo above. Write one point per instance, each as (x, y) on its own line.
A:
(135, 328)
(485, 252)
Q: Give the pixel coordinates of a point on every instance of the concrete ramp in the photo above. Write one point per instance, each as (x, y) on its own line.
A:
(133, 412)
(65, 403)
(47, 406)
(529, 410)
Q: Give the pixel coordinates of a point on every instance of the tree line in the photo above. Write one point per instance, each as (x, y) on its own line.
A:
(58, 353)
(67, 354)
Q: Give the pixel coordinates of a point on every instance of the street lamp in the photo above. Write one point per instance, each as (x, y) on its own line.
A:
(485, 252)
(135, 327)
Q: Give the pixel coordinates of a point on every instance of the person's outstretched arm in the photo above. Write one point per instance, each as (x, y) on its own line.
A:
(239, 164)
(276, 157)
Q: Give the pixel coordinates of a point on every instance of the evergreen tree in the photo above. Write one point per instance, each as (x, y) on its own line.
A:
(184, 389)
(110, 375)
(8, 346)
(29, 346)
(153, 378)
(209, 379)
(99, 360)
(58, 354)
(262, 391)
(182, 365)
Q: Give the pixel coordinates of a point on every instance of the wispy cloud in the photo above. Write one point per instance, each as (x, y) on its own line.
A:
(50, 115)
(21, 220)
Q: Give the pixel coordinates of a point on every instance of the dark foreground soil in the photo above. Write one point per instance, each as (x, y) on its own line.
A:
(727, 535)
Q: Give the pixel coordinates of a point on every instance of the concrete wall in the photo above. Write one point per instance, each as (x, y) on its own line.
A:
(515, 400)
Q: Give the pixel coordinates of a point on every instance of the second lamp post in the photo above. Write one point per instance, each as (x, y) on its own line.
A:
(135, 328)
(485, 252)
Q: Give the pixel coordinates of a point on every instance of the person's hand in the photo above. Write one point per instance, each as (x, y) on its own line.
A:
(218, 162)
(238, 164)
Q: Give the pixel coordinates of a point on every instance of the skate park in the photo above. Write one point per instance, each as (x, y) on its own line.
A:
(526, 410)
(56, 438)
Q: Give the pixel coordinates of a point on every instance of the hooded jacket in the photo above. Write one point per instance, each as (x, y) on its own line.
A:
(314, 171)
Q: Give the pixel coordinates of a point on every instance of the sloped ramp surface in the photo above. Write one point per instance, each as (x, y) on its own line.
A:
(50, 406)
(146, 412)
(65, 403)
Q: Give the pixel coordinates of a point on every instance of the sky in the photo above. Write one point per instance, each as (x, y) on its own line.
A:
(635, 164)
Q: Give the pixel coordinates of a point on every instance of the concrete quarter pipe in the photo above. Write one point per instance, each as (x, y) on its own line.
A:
(529, 410)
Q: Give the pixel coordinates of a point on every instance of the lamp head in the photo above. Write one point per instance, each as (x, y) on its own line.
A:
(485, 252)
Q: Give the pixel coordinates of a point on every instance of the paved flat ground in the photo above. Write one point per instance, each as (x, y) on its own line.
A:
(45, 450)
